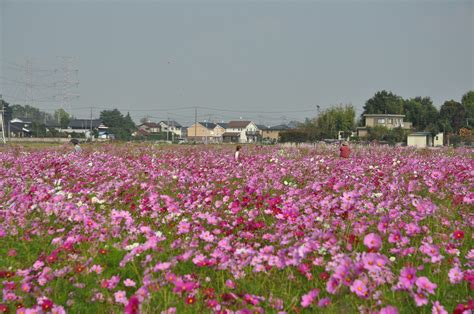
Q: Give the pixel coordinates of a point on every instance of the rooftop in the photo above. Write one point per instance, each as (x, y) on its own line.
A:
(384, 115)
(238, 124)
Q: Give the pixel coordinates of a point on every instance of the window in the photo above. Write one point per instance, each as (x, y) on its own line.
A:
(381, 121)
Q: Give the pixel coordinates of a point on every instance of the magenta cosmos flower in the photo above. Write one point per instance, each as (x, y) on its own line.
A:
(360, 288)
(373, 241)
(425, 284)
(407, 277)
(308, 299)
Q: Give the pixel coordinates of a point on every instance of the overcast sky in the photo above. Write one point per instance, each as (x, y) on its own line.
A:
(284, 57)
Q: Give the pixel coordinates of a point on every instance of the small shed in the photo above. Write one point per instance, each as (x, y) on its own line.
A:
(424, 139)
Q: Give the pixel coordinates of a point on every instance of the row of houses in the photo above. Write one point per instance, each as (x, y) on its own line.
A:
(22, 127)
(238, 131)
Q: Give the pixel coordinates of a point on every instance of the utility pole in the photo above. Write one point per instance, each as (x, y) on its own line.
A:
(168, 129)
(29, 82)
(195, 123)
(2, 121)
(172, 131)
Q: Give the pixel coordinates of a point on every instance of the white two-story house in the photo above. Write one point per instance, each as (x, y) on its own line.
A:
(172, 127)
(241, 131)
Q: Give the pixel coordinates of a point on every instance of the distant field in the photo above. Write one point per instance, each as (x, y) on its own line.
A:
(143, 228)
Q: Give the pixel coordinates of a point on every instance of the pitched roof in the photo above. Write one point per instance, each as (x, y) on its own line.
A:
(238, 124)
(84, 123)
(419, 134)
(208, 125)
(18, 127)
(150, 125)
(172, 123)
(384, 115)
(24, 120)
(223, 124)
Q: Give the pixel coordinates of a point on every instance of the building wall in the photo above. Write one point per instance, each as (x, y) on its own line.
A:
(204, 135)
(438, 140)
(218, 130)
(171, 128)
(418, 140)
(151, 130)
(362, 133)
(370, 122)
(271, 134)
(198, 130)
(388, 122)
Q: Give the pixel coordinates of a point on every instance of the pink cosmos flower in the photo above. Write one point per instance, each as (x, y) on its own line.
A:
(332, 285)
(170, 310)
(360, 288)
(307, 299)
(420, 298)
(407, 277)
(324, 302)
(230, 284)
(455, 275)
(162, 266)
(373, 241)
(389, 310)
(129, 282)
(25, 287)
(423, 283)
(121, 297)
(96, 269)
(438, 308)
(394, 237)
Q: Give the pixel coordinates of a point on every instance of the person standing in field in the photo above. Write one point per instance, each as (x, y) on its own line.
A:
(237, 153)
(345, 151)
(75, 142)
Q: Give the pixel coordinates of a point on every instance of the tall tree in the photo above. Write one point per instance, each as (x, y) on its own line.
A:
(128, 123)
(383, 102)
(335, 119)
(122, 127)
(30, 112)
(62, 117)
(468, 103)
(452, 116)
(420, 112)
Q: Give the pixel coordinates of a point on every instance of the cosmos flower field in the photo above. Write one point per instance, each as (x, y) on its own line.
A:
(186, 229)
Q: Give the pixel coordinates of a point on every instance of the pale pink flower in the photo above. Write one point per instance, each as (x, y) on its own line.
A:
(121, 297)
(129, 283)
(455, 275)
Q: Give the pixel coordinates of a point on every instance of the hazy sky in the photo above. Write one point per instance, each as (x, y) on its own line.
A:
(284, 57)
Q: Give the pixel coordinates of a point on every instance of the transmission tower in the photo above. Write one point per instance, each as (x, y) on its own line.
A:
(69, 82)
(29, 81)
